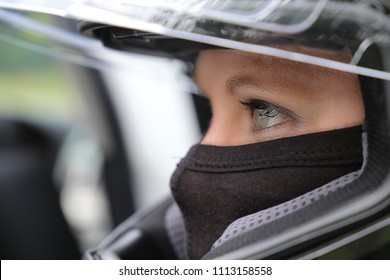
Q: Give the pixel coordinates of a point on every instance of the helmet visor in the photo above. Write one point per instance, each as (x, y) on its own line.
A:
(268, 27)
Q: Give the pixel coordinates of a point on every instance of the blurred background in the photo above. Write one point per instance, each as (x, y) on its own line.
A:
(84, 147)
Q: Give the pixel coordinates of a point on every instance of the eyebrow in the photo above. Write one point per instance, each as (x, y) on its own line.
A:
(287, 73)
(240, 80)
(258, 81)
(284, 69)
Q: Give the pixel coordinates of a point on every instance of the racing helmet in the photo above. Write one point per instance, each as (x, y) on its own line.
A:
(182, 28)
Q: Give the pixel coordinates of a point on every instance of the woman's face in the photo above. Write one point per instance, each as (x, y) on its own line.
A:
(257, 98)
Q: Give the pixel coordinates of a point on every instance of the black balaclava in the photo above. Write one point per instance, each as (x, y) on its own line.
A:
(214, 186)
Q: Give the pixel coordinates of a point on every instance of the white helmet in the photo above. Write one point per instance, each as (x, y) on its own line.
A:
(181, 28)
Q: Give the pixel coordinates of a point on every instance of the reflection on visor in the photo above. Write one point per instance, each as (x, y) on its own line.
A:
(261, 14)
(258, 26)
(60, 44)
(281, 16)
(57, 7)
(264, 14)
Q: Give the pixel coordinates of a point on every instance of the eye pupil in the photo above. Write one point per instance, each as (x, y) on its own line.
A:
(267, 117)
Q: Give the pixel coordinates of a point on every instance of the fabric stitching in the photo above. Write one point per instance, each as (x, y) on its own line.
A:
(270, 162)
(321, 152)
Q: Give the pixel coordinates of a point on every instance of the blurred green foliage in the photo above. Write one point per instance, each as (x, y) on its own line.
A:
(15, 59)
(33, 85)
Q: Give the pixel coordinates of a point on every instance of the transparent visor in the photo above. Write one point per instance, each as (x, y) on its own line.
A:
(309, 31)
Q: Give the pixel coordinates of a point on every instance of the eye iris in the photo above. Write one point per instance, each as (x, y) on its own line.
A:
(266, 117)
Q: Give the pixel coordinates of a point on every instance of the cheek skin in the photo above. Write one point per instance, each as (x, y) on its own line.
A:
(324, 99)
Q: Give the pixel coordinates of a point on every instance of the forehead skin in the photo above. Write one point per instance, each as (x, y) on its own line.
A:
(326, 99)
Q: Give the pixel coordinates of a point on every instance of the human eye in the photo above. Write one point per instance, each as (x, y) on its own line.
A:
(266, 115)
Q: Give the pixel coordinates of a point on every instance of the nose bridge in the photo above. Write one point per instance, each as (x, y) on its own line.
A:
(226, 129)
